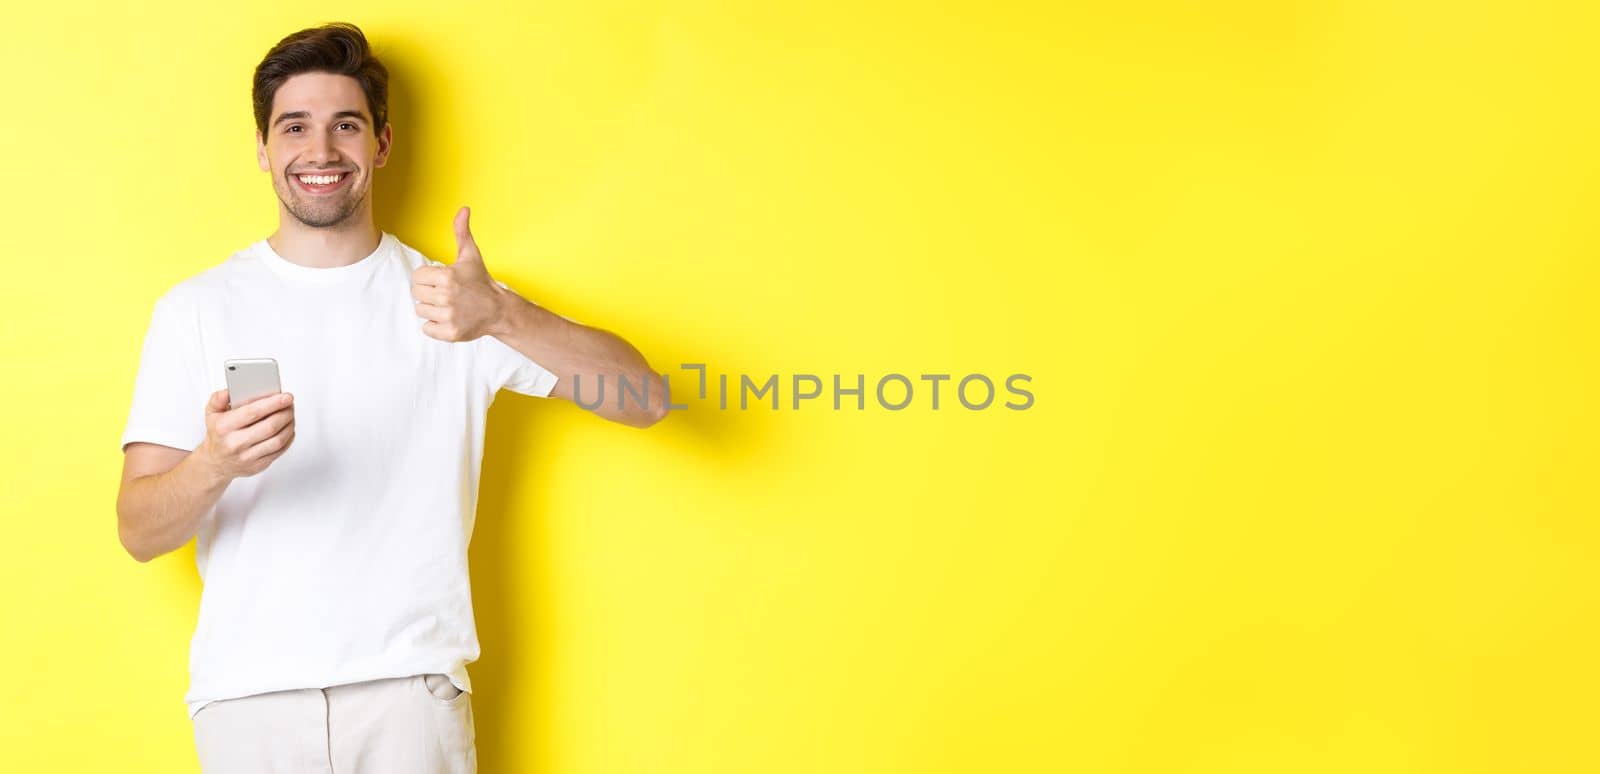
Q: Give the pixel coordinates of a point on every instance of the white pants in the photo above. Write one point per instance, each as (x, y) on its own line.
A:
(421, 724)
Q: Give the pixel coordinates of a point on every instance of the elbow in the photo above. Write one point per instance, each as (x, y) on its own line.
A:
(129, 541)
(644, 416)
(133, 548)
(626, 406)
(657, 408)
(649, 411)
(658, 411)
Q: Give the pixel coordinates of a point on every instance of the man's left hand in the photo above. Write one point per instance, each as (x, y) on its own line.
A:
(461, 301)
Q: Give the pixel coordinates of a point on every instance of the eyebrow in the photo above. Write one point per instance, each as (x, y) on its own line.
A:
(307, 114)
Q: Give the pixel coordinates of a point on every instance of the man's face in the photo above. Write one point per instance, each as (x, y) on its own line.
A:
(320, 147)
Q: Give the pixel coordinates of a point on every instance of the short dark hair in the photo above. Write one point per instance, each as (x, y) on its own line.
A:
(337, 48)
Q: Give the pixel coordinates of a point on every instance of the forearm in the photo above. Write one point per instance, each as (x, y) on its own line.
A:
(162, 511)
(592, 361)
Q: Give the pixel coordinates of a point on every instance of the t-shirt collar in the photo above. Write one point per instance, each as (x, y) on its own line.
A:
(290, 269)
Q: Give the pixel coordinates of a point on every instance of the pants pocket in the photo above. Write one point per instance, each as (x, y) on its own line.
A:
(449, 712)
(441, 688)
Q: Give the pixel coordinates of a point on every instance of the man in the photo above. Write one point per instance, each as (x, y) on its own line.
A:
(336, 619)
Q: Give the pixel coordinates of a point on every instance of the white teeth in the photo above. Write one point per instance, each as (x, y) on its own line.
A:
(320, 179)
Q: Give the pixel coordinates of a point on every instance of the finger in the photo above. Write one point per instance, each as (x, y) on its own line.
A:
(431, 274)
(260, 431)
(218, 402)
(271, 447)
(466, 246)
(439, 330)
(263, 462)
(429, 294)
(252, 412)
(260, 408)
(266, 460)
(433, 312)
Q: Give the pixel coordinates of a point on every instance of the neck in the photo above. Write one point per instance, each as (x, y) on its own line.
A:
(328, 247)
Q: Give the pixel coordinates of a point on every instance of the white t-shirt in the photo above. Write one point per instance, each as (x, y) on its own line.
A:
(346, 559)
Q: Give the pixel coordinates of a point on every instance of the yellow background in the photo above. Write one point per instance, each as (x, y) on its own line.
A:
(1306, 291)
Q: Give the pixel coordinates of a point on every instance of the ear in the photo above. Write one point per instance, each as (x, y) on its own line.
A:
(385, 141)
(261, 153)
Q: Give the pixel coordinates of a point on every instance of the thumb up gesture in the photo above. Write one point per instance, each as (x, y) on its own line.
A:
(460, 302)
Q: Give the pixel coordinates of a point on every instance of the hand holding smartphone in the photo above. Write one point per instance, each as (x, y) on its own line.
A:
(251, 424)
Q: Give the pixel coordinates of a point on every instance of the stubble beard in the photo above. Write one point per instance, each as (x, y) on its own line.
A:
(320, 214)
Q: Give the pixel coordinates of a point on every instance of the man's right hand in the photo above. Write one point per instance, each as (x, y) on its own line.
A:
(243, 441)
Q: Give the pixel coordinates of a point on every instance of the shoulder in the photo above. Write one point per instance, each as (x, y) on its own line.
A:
(210, 283)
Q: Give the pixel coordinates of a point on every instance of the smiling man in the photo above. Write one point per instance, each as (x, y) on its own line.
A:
(332, 519)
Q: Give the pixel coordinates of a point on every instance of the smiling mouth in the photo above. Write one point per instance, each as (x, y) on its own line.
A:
(321, 184)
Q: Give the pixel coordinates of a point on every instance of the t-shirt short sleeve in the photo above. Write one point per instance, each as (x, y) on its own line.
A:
(169, 393)
(512, 370)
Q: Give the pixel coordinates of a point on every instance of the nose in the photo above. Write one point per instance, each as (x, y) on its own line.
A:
(321, 151)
